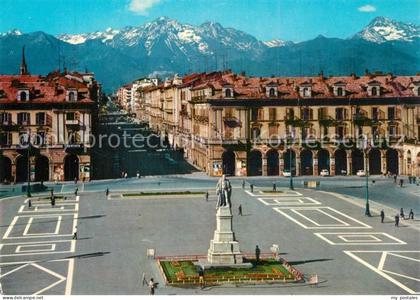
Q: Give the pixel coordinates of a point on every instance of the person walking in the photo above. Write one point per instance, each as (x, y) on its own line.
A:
(382, 216)
(107, 192)
(257, 254)
(402, 213)
(138, 175)
(201, 278)
(152, 286)
(75, 234)
(243, 184)
(207, 196)
(53, 201)
(75, 191)
(240, 210)
(410, 214)
(251, 186)
(274, 187)
(75, 180)
(401, 182)
(395, 178)
(29, 203)
(397, 220)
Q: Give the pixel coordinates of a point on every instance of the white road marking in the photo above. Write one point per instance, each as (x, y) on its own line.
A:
(69, 283)
(282, 210)
(28, 226)
(51, 247)
(345, 238)
(60, 277)
(375, 241)
(380, 272)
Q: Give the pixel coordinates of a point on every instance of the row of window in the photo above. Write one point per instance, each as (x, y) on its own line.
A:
(41, 118)
(40, 138)
(257, 114)
(24, 95)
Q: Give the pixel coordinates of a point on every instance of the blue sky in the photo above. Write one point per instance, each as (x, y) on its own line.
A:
(295, 20)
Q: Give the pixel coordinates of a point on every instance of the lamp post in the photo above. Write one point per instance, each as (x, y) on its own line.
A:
(290, 162)
(28, 190)
(365, 147)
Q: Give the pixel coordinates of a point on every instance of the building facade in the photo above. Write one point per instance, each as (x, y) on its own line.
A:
(54, 114)
(238, 125)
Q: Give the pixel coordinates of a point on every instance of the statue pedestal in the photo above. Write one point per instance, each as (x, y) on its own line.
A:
(224, 250)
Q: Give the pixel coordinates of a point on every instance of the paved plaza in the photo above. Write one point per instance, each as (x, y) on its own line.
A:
(323, 232)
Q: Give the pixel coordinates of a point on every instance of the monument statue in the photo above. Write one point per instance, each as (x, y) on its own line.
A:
(223, 192)
(224, 249)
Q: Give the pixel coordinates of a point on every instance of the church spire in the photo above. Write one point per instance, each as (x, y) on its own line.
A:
(23, 66)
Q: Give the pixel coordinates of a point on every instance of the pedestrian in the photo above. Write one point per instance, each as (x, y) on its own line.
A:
(243, 184)
(143, 280)
(410, 214)
(53, 201)
(410, 179)
(75, 234)
(75, 191)
(125, 175)
(29, 203)
(240, 210)
(397, 220)
(138, 175)
(274, 187)
(251, 187)
(257, 254)
(207, 196)
(75, 180)
(152, 286)
(395, 178)
(402, 213)
(107, 192)
(382, 216)
(401, 182)
(201, 277)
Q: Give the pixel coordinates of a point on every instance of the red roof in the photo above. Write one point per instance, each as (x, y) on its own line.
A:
(49, 89)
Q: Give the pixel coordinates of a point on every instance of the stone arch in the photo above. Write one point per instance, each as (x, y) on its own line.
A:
(340, 157)
(272, 163)
(42, 168)
(228, 163)
(392, 161)
(306, 162)
(255, 163)
(71, 167)
(22, 168)
(323, 160)
(375, 161)
(357, 161)
(5, 169)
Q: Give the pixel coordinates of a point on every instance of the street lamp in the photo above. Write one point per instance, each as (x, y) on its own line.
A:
(290, 162)
(365, 147)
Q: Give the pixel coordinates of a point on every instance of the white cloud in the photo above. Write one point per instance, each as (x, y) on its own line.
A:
(367, 8)
(141, 6)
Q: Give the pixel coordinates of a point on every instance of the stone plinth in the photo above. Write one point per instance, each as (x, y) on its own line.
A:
(224, 249)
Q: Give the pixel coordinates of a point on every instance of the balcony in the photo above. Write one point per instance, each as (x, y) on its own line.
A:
(9, 126)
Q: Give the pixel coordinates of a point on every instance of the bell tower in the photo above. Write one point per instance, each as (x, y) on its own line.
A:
(23, 66)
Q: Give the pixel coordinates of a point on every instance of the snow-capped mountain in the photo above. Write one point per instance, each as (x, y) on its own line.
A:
(382, 30)
(165, 46)
(11, 32)
(207, 38)
(277, 43)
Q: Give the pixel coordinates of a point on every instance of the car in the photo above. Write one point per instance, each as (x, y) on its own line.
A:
(361, 173)
(287, 174)
(324, 172)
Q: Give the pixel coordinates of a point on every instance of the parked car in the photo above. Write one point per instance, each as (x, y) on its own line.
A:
(324, 172)
(361, 173)
(287, 174)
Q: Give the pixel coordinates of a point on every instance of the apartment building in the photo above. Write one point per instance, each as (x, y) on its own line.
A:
(54, 114)
(233, 124)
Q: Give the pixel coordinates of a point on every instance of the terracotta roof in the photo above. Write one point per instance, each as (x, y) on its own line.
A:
(49, 89)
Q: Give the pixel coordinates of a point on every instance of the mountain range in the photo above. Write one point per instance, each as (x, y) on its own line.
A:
(165, 46)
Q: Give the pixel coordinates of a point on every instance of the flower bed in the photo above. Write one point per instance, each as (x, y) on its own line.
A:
(184, 272)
